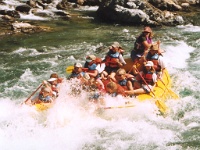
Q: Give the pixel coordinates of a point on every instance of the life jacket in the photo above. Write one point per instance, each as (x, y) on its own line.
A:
(148, 77)
(76, 75)
(46, 99)
(154, 59)
(132, 79)
(91, 67)
(138, 45)
(123, 83)
(112, 59)
(98, 60)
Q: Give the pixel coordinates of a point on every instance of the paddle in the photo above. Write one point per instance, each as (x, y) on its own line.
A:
(161, 105)
(69, 69)
(173, 94)
(33, 93)
(111, 107)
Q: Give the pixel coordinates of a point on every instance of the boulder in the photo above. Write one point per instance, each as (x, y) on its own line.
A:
(26, 28)
(23, 8)
(12, 13)
(136, 12)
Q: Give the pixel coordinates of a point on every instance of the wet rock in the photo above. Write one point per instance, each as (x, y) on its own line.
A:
(11, 13)
(37, 12)
(63, 14)
(136, 12)
(32, 3)
(47, 1)
(21, 27)
(23, 8)
(185, 6)
(170, 5)
(63, 5)
(7, 18)
(41, 4)
(91, 2)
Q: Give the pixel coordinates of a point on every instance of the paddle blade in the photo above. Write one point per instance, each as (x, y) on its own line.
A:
(173, 94)
(161, 105)
(69, 69)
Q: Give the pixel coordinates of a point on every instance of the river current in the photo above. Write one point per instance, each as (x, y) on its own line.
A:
(25, 61)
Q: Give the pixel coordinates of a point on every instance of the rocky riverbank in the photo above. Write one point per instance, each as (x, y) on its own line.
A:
(130, 12)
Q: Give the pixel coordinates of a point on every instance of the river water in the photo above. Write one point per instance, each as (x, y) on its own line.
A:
(25, 61)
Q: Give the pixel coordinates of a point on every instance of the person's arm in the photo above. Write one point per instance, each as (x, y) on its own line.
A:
(93, 74)
(129, 92)
(121, 59)
(130, 85)
(162, 64)
(146, 47)
(154, 76)
(135, 70)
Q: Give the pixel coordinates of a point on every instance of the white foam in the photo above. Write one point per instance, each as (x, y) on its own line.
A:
(31, 16)
(189, 28)
(176, 56)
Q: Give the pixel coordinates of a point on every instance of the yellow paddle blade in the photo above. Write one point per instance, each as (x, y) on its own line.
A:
(161, 105)
(173, 94)
(69, 69)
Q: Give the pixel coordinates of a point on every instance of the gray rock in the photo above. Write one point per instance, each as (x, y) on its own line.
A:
(138, 12)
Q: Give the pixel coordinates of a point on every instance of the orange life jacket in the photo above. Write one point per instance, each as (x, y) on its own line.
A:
(148, 77)
(154, 59)
(111, 61)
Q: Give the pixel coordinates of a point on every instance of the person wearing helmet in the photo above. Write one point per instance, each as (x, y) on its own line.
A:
(45, 96)
(113, 61)
(157, 59)
(146, 81)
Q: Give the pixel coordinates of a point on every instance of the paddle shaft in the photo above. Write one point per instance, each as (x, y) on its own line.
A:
(131, 68)
(168, 88)
(145, 82)
(33, 93)
(134, 64)
(111, 107)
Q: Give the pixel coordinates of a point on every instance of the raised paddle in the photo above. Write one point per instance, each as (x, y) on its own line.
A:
(33, 93)
(161, 105)
(69, 69)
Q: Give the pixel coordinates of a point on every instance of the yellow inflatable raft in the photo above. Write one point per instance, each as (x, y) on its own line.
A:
(160, 93)
(43, 106)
